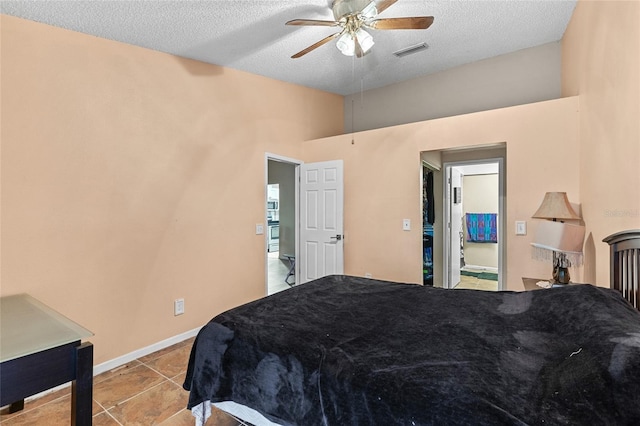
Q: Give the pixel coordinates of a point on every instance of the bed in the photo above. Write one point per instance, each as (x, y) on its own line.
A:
(345, 350)
(625, 264)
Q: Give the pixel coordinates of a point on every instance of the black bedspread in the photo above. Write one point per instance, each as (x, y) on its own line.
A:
(352, 351)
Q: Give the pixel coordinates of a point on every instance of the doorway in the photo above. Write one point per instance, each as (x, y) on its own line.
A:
(281, 224)
(428, 222)
(474, 215)
(310, 233)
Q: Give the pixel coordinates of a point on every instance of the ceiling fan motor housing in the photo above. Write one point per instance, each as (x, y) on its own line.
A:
(344, 8)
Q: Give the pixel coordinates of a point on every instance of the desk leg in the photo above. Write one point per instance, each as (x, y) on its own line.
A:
(82, 386)
(14, 407)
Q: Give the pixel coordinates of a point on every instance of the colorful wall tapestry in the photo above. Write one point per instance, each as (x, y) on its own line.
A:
(482, 227)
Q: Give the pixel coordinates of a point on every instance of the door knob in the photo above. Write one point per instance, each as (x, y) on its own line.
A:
(337, 237)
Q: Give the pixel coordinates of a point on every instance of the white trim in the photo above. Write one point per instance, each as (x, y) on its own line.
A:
(275, 157)
(502, 237)
(121, 360)
(480, 268)
(281, 158)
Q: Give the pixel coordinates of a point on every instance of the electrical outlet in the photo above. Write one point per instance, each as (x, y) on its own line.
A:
(178, 307)
(367, 275)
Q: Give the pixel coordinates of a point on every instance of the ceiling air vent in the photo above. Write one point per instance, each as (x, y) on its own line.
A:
(411, 50)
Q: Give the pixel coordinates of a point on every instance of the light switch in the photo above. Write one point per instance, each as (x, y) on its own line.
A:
(406, 224)
(259, 229)
(521, 227)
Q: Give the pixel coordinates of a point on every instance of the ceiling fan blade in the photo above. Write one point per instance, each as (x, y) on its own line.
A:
(313, 22)
(413, 23)
(383, 5)
(315, 45)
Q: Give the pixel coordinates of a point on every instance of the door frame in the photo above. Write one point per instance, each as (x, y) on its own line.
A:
(268, 156)
(501, 217)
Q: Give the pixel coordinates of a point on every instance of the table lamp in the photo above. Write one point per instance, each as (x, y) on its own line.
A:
(557, 240)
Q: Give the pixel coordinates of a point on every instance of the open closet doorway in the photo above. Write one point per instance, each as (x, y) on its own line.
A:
(429, 208)
(280, 222)
(474, 215)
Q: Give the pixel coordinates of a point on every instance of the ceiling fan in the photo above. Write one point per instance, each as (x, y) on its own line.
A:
(353, 16)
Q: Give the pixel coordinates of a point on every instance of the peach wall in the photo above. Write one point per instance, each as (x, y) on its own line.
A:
(601, 63)
(131, 178)
(382, 182)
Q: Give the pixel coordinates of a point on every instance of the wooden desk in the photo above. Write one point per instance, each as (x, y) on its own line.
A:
(42, 349)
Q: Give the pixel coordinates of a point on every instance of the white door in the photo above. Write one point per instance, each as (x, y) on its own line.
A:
(321, 220)
(455, 225)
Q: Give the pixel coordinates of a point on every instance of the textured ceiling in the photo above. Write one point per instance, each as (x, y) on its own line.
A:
(252, 36)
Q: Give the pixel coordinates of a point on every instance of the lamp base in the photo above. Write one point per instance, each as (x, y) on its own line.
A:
(560, 269)
(561, 275)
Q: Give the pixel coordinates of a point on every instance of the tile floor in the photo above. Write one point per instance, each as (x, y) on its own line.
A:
(147, 391)
(277, 271)
(474, 283)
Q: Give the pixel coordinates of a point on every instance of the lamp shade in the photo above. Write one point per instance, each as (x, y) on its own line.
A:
(364, 40)
(559, 237)
(555, 205)
(346, 44)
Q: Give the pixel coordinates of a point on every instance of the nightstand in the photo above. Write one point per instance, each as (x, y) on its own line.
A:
(530, 283)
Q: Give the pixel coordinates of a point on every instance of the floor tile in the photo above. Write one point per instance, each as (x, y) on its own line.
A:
(124, 386)
(35, 403)
(488, 285)
(151, 406)
(218, 418)
(185, 418)
(104, 419)
(182, 418)
(179, 379)
(171, 363)
(118, 371)
(54, 413)
(96, 408)
(134, 394)
(473, 283)
(277, 271)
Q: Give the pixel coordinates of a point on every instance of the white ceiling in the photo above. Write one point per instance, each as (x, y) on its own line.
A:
(252, 36)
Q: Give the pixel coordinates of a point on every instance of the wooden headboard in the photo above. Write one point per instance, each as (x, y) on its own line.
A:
(625, 264)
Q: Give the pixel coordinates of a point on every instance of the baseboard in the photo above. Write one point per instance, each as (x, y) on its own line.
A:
(121, 360)
(481, 268)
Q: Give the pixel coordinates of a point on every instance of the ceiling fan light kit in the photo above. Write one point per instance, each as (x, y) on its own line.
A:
(353, 16)
(364, 40)
(348, 42)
